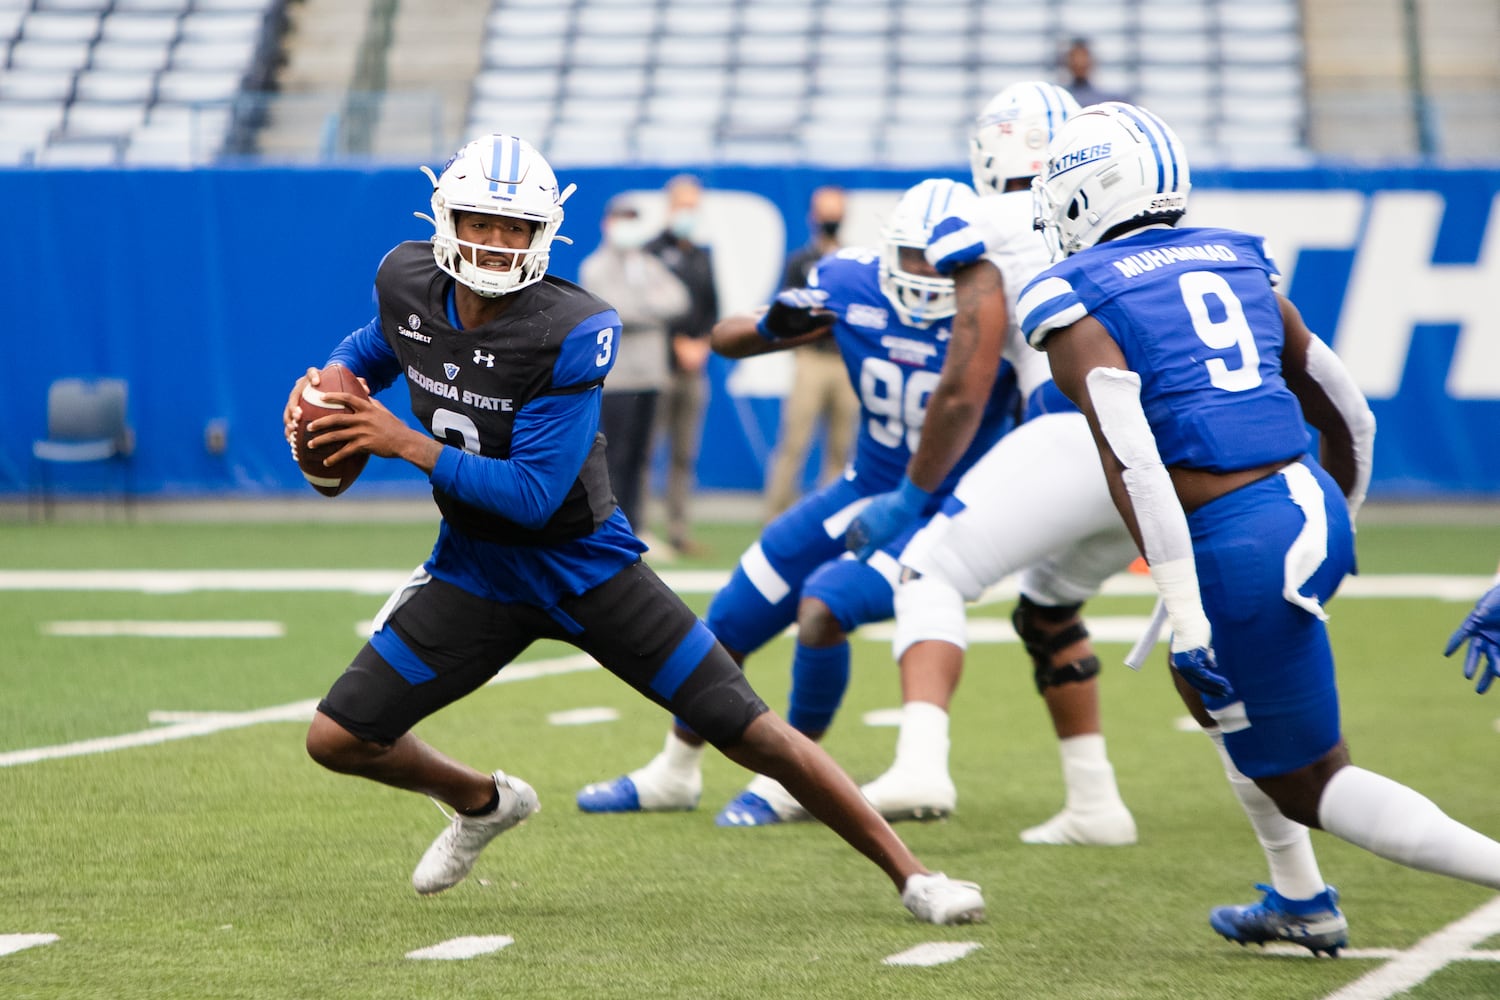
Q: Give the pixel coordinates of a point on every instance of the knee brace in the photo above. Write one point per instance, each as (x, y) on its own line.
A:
(1041, 645)
(927, 607)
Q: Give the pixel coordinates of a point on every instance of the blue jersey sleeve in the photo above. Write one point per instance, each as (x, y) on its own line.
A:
(365, 353)
(1049, 303)
(551, 439)
(588, 351)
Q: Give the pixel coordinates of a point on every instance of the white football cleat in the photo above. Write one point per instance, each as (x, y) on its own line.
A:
(906, 794)
(1113, 827)
(938, 899)
(452, 855)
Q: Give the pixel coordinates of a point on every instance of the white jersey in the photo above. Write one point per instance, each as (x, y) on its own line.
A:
(1020, 254)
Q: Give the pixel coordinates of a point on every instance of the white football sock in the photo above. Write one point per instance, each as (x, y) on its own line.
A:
(1087, 774)
(1286, 843)
(923, 742)
(672, 776)
(777, 797)
(1404, 826)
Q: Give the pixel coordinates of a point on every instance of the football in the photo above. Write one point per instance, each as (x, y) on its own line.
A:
(330, 480)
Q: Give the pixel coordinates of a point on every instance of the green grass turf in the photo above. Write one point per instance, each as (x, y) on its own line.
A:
(230, 866)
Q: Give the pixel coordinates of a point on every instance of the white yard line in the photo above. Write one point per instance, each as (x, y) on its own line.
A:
(166, 629)
(463, 947)
(1454, 943)
(374, 581)
(12, 943)
(932, 953)
(185, 725)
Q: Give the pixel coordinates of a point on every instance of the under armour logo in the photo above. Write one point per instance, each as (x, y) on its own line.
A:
(450, 370)
(481, 358)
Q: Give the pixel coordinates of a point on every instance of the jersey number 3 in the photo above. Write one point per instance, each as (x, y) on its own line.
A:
(1231, 332)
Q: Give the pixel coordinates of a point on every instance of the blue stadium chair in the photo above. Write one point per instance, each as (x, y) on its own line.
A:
(86, 425)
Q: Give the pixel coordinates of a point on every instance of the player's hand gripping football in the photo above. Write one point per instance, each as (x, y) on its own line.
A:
(795, 312)
(1481, 629)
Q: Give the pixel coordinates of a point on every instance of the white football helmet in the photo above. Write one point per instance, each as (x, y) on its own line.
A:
(919, 299)
(1009, 138)
(1111, 164)
(496, 175)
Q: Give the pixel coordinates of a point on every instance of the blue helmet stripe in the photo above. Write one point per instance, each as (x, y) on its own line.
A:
(1134, 114)
(1166, 140)
(1052, 116)
(506, 163)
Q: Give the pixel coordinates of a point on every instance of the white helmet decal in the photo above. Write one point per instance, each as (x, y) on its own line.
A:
(1111, 164)
(496, 175)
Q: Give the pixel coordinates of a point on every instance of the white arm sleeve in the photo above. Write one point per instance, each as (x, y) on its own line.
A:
(1325, 368)
(1116, 396)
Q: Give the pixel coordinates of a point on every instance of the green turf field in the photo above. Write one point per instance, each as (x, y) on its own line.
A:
(227, 865)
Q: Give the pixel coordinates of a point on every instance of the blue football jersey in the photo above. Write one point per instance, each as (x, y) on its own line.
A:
(1195, 315)
(894, 369)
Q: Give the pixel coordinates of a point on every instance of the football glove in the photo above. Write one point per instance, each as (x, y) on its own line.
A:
(885, 517)
(1482, 631)
(794, 312)
(1200, 669)
(955, 244)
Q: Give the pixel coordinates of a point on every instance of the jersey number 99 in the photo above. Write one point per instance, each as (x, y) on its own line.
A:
(896, 400)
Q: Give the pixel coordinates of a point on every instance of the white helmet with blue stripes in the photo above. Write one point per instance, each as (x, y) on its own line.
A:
(496, 175)
(1112, 165)
(918, 294)
(1009, 139)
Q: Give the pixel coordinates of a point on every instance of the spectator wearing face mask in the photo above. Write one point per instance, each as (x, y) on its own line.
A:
(680, 247)
(649, 299)
(820, 391)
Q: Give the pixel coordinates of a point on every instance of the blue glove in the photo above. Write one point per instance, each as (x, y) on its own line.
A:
(1482, 630)
(885, 517)
(1200, 669)
(955, 243)
(794, 312)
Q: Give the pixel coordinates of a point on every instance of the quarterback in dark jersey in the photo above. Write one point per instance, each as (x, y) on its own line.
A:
(1198, 379)
(504, 365)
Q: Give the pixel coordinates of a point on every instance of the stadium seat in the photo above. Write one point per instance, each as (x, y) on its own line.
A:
(116, 85)
(86, 119)
(87, 424)
(130, 57)
(63, 27)
(32, 54)
(139, 28)
(35, 85)
(626, 53)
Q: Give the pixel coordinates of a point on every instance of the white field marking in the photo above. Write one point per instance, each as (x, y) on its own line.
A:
(1104, 628)
(168, 630)
(583, 716)
(383, 581)
(463, 947)
(1454, 943)
(882, 717)
(185, 725)
(12, 943)
(1297, 951)
(932, 953)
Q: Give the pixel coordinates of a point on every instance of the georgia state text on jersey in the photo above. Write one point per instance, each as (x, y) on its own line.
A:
(894, 369)
(467, 386)
(1205, 338)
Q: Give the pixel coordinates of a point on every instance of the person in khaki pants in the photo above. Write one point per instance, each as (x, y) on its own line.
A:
(680, 414)
(820, 385)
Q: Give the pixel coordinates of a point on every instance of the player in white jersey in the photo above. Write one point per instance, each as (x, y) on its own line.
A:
(1036, 501)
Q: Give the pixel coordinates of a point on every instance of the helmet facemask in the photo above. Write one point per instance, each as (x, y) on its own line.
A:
(503, 176)
(920, 298)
